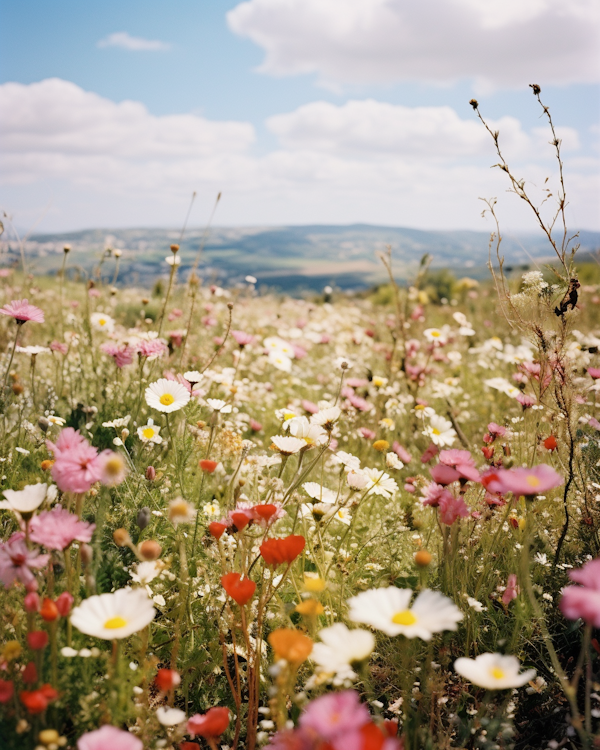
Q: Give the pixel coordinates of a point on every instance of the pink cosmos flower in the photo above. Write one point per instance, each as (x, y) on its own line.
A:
(430, 452)
(443, 474)
(433, 493)
(176, 337)
(594, 372)
(525, 401)
(521, 481)
(242, 338)
(76, 467)
(57, 528)
(123, 355)
(309, 406)
(174, 314)
(299, 351)
(93, 292)
(356, 383)
(58, 346)
(583, 601)
(334, 716)
(401, 452)
(511, 591)
(17, 562)
(21, 311)
(451, 509)
(109, 737)
(154, 348)
(367, 433)
(462, 462)
(359, 403)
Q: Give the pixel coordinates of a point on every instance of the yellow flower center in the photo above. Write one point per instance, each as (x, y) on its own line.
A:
(533, 481)
(167, 399)
(114, 623)
(102, 322)
(148, 433)
(497, 673)
(405, 617)
(435, 334)
(114, 466)
(435, 431)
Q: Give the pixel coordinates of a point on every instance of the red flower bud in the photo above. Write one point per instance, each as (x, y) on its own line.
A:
(167, 679)
(32, 602)
(30, 674)
(550, 443)
(241, 590)
(207, 465)
(151, 473)
(7, 688)
(37, 640)
(64, 603)
(216, 529)
(279, 551)
(488, 452)
(49, 611)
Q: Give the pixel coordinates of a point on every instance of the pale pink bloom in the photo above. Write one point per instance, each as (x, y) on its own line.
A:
(335, 715)
(443, 474)
(209, 321)
(17, 562)
(521, 481)
(401, 452)
(109, 738)
(412, 347)
(93, 292)
(511, 591)
(430, 452)
(174, 314)
(68, 440)
(299, 351)
(433, 493)
(176, 337)
(255, 426)
(242, 338)
(356, 383)
(122, 354)
(532, 368)
(594, 372)
(57, 528)
(359, 403)
(58, 346)
(309, 406)
(367, 433)
(168, 375)
(583, 601)
(76, 467)
(593, 422)
(496, 430)
(462, 462)
(525, 401)
(4, 272)
(21, 311)
(112, 468)
(452, 508)
(154, 348)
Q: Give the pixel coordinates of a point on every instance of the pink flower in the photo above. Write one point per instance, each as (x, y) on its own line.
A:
(309, 407)
(525, 401)
(58, 346)
(401, 452)
(462, 462)
(583, 601)
(123, 355)
(77, 466)
(176, 337)
(299, 351)
(359, 403)
(520, 481)
(451, 509)
(511, 591)
(430, 452)
(57, 528)
(17, 562)
(367, 433)
(109, 737)
(154, 348)
(443, 474)
(174, 314)
(594, 372)
(93, 292)
(335, 715)
(242, 338)
(21, 311)
(433, 493)
(255, 426)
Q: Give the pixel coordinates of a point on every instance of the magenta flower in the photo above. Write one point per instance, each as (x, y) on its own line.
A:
(334, 715)
(520, 481)
(511, 591)
(17, 562)
(57, 528)
(433, 493)
(594, 372)
(153, 349)
(451, 509)
(461, 462)
(77, 465)
(401, 452)
(21, 311)
(583, 601)
(123, 355)
(109, 737)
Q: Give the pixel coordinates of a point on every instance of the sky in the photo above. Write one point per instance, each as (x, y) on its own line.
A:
(299, 111)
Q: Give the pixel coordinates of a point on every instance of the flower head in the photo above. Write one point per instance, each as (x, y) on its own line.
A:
(114, 616)
(211, 724)
(167, 395)
(335, 714)
(583, 601)
(57, 528)
(25, 501)
(17, 561)
(493, 671)
(22, 311)
(149, 433)
(102, 322)
(109, 737)
(341, 648)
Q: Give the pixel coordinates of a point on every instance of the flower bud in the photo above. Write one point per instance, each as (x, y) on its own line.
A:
(174, 249)
(49, 610)
(32, 602)
(44, 424)
(49, 737)
(37, 640)
(17, 389)
(46, 465)
(423, 558)
(149, 550)
(121, 537)
(150, 473)
(167, 679)
(87, 554)
(143, 517)
(64, 603)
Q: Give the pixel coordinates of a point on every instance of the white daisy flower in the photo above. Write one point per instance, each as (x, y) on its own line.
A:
(146, 572)
(392, 461)
(170, 717)
(326, 417)
(434, 334)
(341, 649)
(216, 404)
(493, 671)
(352, 463)
(287, 446)
(193, 376)
(388, 609)
(273, 344)
(356, 480)
(300, 427)
(319, 493)
(380, 483)
(149, 433)
(440, 431)
(173, 260)
(58, 421)
(114, 616)
(116, 423)
(32, 349)
(102, 322)
(25, 501)
(167, 395)
(343, 515)
(280, 361)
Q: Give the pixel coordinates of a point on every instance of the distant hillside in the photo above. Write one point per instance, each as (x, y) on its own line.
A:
(285, 257)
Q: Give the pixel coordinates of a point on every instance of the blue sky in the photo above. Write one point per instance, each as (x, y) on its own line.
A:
(300, 62)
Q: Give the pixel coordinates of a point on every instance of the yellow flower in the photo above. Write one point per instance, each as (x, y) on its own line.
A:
(381, 445)
(11, 651)
(313, 583)
(310, 608)
(291, 645)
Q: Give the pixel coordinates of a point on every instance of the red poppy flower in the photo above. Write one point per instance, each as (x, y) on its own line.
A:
(207, 465)
(36, 701)
(265, 512)
(216, 529)
(37, 639)
(239, 589)
(550, 443)
(211, 724)
(240, 519)
(49, 611)
(167, 679)
(279, 551)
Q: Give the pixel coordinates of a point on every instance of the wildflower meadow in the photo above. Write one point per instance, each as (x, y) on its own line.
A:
(338, 522)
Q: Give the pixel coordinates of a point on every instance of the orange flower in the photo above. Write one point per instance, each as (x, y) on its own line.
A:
(291, 645)
(310, 607)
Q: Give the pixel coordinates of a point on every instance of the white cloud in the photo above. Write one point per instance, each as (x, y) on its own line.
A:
(109, 164)
(133, 43)
(502, 43)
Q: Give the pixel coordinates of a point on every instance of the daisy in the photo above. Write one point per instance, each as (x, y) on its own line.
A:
(388, 609)
(343, 515)
(440, 431)
(25, 501)
(181, 511)
(319, 493)
(216, 404)
(32, 350)
(193, 376)
(173, 260)
(149, 433)
(273, 344)
(287, 446)
(350, 462)
(114, 616)
(167, 395)
(493, 671)
(102, 322)
(280, 361)
(341, 649)
(434, 334)
(170, 717)
(300, 427)
(380, 483)
(326, 417)
(146, 572)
